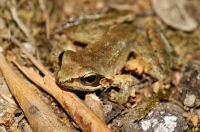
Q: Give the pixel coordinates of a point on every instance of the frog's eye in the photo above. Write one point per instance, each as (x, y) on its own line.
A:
(89, 78)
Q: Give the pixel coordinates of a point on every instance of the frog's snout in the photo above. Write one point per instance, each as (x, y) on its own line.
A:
(59, 77)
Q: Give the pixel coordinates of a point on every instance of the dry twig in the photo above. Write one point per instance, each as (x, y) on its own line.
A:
(21, 25)
(45, 12)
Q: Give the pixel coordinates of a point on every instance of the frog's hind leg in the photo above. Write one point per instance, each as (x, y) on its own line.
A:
(150, 58)
(144, 57)
(163, 53)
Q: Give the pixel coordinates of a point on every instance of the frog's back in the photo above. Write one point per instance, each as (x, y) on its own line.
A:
(109, 53)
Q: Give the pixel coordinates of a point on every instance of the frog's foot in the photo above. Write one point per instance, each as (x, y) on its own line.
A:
(124, 82)
(138, 66)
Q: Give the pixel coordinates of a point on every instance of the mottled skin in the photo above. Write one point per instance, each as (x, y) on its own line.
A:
(87, 29)
(107, 55)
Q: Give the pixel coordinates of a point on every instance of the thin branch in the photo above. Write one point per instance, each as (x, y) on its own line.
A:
(21, 25)
(45, 12)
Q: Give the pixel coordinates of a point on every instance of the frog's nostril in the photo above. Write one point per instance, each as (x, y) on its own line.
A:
(61, 78)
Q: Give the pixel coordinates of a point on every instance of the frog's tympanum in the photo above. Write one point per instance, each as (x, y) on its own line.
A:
(107, 55)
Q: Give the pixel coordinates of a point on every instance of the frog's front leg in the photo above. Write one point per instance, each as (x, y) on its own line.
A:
(124, 83)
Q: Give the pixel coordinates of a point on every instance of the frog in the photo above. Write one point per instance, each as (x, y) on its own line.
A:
(107, 55)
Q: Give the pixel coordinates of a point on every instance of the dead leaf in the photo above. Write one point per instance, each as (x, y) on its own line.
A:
(175, 14)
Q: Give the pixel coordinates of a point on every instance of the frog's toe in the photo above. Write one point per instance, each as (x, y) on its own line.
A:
(118, 97)
(123, 94)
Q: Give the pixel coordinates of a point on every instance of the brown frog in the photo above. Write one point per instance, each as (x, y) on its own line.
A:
(84, 70)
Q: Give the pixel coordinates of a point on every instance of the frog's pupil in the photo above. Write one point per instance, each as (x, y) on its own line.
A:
(90, 79)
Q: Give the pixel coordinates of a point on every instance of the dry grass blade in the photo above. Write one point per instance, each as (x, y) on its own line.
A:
(39, 115)
(25, 30)
(45, 12)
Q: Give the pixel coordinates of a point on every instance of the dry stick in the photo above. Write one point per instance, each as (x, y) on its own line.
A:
(14, 127)
(33, 60)
(44, 10)
(77, 110)
(21, 25)
(40, 115)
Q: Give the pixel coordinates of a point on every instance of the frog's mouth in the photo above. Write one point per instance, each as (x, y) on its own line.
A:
(84, 88)
(79, 86)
